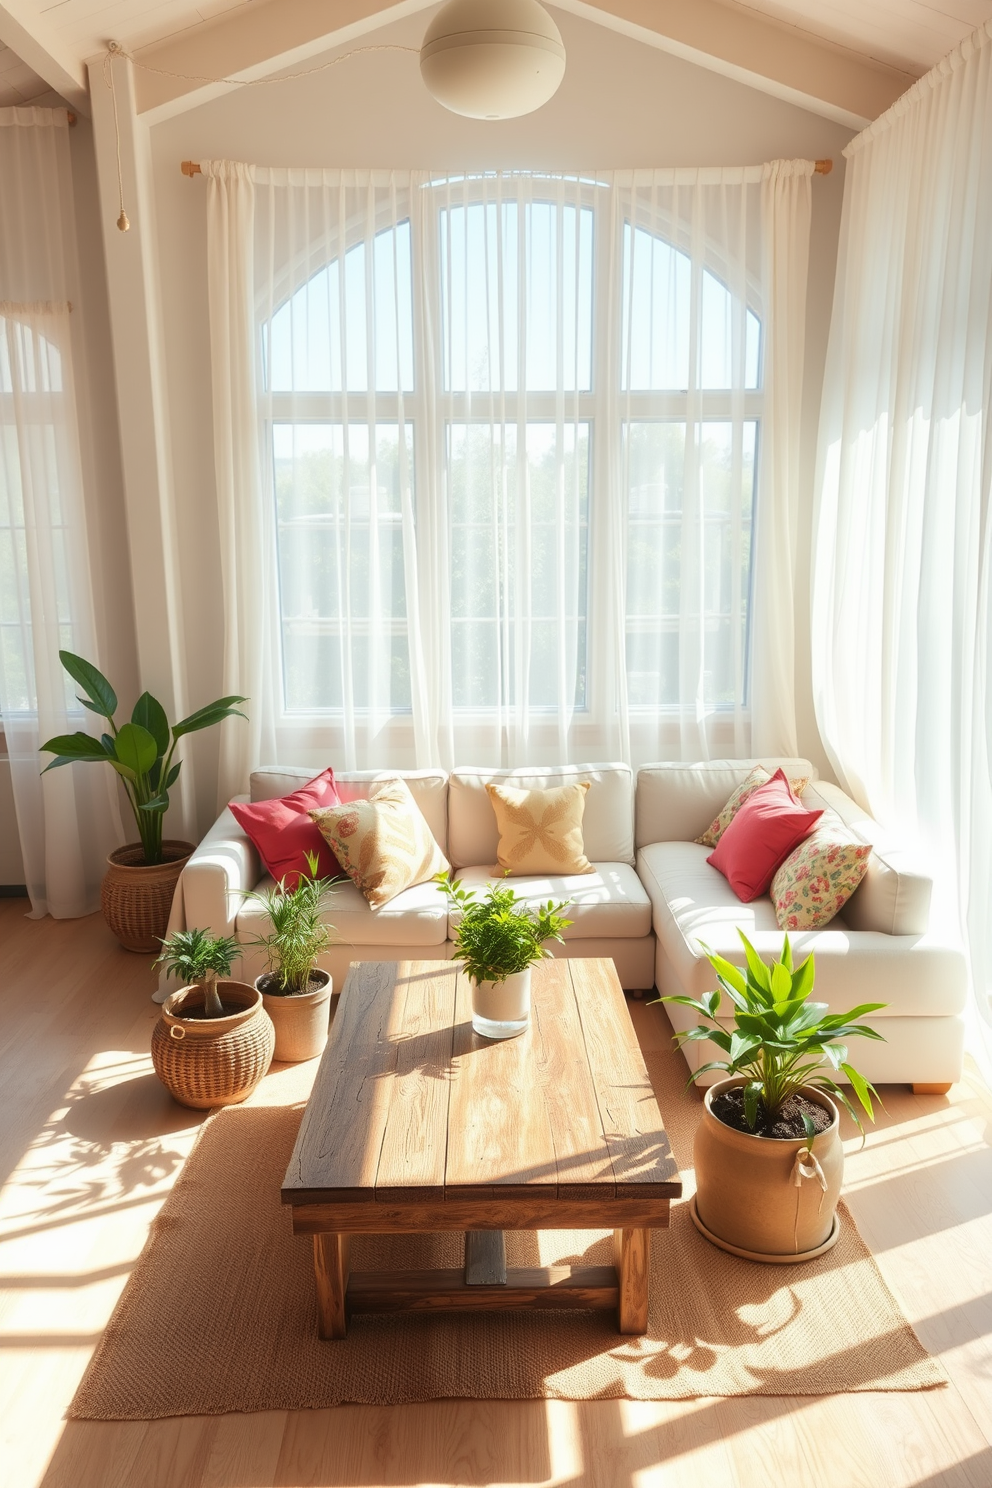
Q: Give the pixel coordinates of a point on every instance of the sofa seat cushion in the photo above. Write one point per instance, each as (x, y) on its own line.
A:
(609, 902)
(418, 916)
(693, 905)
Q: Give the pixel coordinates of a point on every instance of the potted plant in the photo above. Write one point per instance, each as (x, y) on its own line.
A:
(499, 942)
(141, 877)
(768, 1155)
(214, 1039)
(295, 993)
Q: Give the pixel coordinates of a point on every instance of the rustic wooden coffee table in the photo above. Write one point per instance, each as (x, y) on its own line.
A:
(416, 1123)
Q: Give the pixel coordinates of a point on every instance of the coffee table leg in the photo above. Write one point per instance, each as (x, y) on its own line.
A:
(631, 1251)
(330, 1260)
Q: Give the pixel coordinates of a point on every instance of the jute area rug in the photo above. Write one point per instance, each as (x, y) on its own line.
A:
(219, 1314)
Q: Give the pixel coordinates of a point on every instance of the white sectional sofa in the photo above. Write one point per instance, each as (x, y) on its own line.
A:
(651, 903)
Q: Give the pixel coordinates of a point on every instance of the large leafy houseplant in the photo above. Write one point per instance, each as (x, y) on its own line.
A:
(780, 1040)
(141, 750)
(198, 959)
(298, 933)
(496, 938)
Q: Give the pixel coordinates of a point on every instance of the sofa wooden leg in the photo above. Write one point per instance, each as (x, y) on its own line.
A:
(931, 1089)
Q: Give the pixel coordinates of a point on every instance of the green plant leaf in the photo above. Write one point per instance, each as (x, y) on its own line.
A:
(752, 1090)
(157, 803)
(809, 1127)
(760, 973)
(781, 985)
(863, 1089)
(787, 955)
(71, 748)
(136, 748)
(207, 716)
(100, 696)
(173, 775)
(729, 972)
(150, 715)
(802, 978)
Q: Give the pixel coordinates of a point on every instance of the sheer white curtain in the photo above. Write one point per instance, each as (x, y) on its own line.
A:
(901, 603)
(68, 820)
(507, 431)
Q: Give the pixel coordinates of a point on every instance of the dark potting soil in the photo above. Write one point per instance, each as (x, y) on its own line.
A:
(787, 1125)
(269, 984)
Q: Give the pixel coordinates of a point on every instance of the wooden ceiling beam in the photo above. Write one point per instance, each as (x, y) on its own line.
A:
(259, 40)
(32, 38)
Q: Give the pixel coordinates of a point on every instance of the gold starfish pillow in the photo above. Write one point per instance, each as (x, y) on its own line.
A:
(383, 844)
(540, 831)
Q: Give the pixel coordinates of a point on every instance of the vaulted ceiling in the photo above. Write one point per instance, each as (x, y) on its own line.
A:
(848, 58)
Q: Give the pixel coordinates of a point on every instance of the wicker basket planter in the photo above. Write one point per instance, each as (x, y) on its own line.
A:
(136, 897)
(213, 1061)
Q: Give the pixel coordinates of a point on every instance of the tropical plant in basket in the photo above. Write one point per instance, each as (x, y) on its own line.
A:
(298, 933)
(780, 1040)
(198, 958)
(141, 750)
(496, 938)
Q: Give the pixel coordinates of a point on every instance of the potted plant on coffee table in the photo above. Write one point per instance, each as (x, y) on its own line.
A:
(141, 877)
(499, 941)
(295, 992)
(214, 1039)
(768, 1155)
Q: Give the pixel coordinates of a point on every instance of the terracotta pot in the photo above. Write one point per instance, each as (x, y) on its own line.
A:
(208, 1062)
(300, 1020)
(747, 1200)
(136, 897)
(501, 1009)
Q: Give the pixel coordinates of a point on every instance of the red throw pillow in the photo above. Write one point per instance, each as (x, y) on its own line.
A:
(761, 836)
(284, 834)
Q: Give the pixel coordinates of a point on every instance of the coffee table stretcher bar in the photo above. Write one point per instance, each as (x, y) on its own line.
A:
(418, 1124)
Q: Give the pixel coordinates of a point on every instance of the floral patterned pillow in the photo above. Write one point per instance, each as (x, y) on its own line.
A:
(758, 776)
(818, 877)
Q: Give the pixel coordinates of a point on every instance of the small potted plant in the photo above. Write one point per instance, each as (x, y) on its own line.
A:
(214, 1039)
(768, 1155)
(296, 994)
(141, 877)
(499, 942)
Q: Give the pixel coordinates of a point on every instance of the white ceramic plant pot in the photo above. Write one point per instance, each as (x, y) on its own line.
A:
(501, 1009)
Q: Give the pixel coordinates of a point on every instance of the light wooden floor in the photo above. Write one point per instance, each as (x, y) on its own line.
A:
(90, 1144)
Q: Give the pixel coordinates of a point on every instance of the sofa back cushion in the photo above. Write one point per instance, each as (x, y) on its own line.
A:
(676, 802)
(607, 820)
(894, 895)
(429, 788)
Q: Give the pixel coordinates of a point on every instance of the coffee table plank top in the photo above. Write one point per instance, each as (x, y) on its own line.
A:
(411, 1106)
(639, 1149)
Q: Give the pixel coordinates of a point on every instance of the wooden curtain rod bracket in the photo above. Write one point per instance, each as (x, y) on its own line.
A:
(191, 168)
(71, 117)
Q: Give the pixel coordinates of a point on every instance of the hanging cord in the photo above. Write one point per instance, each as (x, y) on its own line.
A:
(806, 1166)
(114, 49)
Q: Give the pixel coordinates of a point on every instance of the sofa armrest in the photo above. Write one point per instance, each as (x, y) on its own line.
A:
(224, 868)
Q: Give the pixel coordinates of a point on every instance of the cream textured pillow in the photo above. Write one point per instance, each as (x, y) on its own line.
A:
(383, 844)
(758, 776)
(540, 831)
(819, 876)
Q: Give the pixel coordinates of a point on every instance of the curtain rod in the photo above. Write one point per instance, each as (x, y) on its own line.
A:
(192, 168)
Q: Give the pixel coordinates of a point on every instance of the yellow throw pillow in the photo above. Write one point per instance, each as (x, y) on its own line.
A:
(540, 831)
(383, 844)
(758, 776)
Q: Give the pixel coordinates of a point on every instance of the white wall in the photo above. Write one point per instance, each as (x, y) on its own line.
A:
(621, 104)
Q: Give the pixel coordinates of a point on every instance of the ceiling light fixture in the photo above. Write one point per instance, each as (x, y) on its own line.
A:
(492, 59)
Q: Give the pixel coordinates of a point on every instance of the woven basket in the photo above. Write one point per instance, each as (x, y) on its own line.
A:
(214, 1061)
(136, 897)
